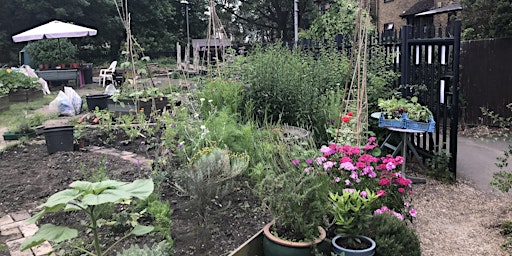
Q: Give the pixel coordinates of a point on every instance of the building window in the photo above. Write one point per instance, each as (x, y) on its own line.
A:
(388, 26)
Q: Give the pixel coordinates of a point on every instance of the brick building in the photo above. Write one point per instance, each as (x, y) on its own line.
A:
(393, 14)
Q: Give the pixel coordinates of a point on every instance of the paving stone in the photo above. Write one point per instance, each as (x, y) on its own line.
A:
(43, 249)
(13, 225)
(21, 215)
(14, 248)
(28, 230)
(7, 219)
(11, 234)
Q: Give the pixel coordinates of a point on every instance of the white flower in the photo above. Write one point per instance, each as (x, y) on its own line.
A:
(210, 101)
(203, 127)
(202, 99)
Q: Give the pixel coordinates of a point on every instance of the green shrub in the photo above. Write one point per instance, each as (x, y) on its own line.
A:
(393, 237)
(160, 249)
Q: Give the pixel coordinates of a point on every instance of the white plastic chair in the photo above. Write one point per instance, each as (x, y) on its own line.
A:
(108, 73)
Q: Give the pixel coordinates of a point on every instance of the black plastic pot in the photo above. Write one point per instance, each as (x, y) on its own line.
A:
(97, 100)
(59, 138)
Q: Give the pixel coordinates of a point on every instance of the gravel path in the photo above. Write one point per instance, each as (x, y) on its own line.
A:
(460, 220)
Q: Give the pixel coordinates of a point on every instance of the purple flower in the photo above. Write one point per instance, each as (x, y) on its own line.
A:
(295, 162)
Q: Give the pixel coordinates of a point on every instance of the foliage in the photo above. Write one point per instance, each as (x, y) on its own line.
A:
(52, 51)
(11, 80)
(88, 197)
(393, 236)
(297, 202)
(502, 180)
(440, 166)
(339, 19)
(291, 86)
(264, 21)
(160, 249)
(486, 19)
(352, 210)
(394, 108)
(209, 175)
(220, 93)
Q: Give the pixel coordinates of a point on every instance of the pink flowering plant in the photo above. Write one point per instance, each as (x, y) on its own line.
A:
(363, 169)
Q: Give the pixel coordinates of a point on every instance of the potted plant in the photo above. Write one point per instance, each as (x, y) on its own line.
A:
(55, 52)
(297, 201)
(407, 114)
(352, 211)
(356, 176)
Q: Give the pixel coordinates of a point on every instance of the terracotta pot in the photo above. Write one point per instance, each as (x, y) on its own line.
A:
(274, 246)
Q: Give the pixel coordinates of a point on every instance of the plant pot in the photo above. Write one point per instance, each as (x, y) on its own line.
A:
(338, 249)
(125, 106)
(274, 246)
(4, 102)
(59, 138)
(294, 134)
(97, 100)
(25, 95)
(17, 136)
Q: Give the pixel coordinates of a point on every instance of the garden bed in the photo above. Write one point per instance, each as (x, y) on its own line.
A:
(39, 175)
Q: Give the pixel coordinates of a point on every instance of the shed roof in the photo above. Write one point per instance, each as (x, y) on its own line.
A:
(449, 8)
(421, 6)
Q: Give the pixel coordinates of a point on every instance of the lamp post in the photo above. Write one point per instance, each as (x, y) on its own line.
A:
(185, 2)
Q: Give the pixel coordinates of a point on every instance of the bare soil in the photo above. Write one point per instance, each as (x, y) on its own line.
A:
(30, 175)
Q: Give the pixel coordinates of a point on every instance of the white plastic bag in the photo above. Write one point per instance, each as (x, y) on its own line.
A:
(74, 98)
(110, 90)
(62, 105)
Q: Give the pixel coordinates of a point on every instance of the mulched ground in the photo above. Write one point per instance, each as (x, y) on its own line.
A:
(30, 175)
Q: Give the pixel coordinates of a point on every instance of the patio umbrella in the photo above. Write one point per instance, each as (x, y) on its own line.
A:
(54, 29)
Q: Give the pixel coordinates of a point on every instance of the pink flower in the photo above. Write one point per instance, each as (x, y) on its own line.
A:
(309, 161)
(398, 215)
(363, 194)
(328, 165)
(327, 151)
(295, 162)
(401, 190)
(413, 213)
(385, 182)
(381, 193)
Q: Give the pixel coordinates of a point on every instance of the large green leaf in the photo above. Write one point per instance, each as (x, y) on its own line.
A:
(139, 188)
(49, 232)
(140, 230)
(107, 196)
(61, 198)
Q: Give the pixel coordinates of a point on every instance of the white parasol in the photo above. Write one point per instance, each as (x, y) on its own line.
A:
(54, 29)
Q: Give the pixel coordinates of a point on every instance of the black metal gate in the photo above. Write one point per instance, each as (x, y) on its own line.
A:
(430, 58)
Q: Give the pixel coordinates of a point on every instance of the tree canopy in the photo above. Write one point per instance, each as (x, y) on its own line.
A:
(486, 18)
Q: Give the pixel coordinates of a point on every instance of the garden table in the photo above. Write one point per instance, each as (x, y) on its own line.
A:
(402, 146)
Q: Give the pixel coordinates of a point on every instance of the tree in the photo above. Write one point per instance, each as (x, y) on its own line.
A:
(486, 18)
(266, 19)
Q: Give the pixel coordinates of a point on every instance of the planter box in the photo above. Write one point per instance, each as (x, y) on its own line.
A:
(125, 106)
(400, 123)
(17, 136)
(406, 123)
(25, 95)
(4, 102)
(420, 126)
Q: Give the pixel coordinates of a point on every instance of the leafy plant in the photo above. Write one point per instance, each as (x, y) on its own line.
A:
(159, 249)
(352, 210)
(88, 197)
(11, 80)
(52, 51)
(395, 108)
(209, 175)
(393, 236)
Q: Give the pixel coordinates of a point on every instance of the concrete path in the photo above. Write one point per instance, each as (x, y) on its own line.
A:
(476, 160)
